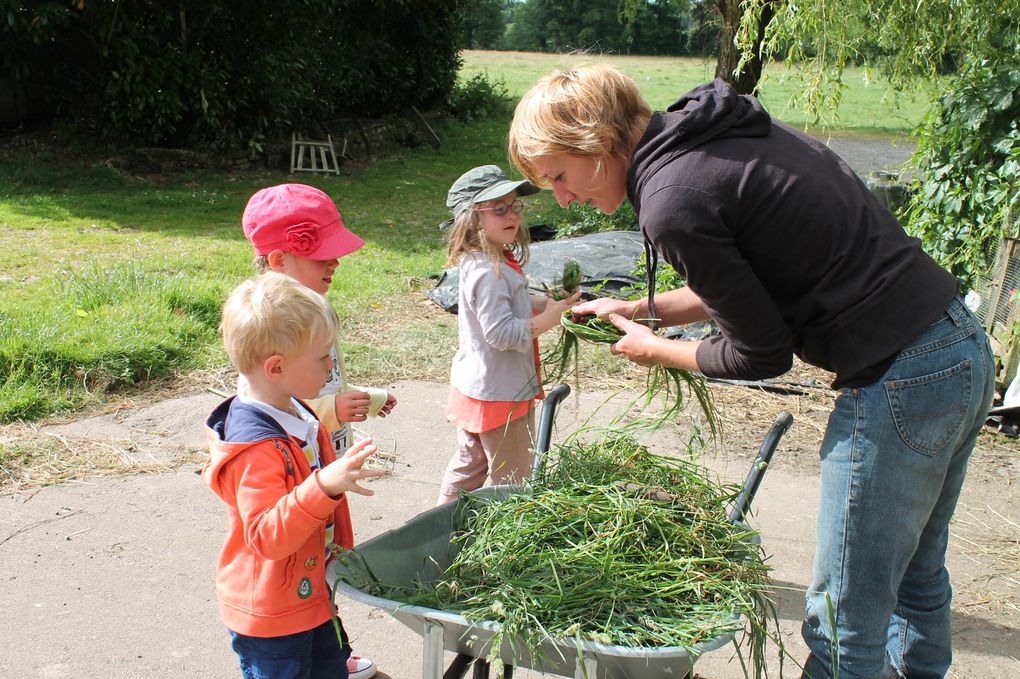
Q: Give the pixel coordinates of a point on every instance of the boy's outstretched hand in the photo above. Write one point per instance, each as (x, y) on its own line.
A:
(342, 475)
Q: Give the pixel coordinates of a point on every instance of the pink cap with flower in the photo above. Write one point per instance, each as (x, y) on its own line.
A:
(298, 219)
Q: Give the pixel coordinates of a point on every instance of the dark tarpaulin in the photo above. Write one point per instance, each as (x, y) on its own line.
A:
(608, 261)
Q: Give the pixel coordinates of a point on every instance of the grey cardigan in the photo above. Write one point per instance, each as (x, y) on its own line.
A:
(495, 360)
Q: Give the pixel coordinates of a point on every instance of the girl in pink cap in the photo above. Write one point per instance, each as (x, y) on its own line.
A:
(296, 230)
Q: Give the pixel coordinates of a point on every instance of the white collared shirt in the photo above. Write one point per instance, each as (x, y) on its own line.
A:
(303, 426)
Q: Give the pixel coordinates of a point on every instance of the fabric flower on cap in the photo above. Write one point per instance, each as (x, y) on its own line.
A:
(299, 219)
(302, 239)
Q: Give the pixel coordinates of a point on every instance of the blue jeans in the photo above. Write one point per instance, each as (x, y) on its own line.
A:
(893, 461)
(315, 654)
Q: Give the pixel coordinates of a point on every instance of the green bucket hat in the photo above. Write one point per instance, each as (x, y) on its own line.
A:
(481, 184)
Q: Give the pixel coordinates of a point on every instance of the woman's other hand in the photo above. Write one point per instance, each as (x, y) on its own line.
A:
(603, 306)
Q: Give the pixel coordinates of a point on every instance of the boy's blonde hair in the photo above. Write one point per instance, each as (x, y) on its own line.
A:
(466, 235)
(273, 314)
(589, 110)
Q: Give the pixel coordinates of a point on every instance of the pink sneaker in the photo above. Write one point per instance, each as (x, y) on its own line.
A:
(360, 668)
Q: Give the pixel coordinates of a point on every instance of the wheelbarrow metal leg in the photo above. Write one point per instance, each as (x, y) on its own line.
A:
(432, 654)
(459, 667)
(481, 669)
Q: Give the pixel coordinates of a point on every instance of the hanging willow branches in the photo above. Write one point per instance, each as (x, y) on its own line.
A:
(909, 42)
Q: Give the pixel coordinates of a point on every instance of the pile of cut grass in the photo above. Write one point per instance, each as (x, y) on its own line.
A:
(609, 544)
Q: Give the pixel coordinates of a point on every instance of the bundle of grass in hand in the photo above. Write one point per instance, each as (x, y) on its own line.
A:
(673, 385)
(571, 276)
(610, 544)
(570, 281)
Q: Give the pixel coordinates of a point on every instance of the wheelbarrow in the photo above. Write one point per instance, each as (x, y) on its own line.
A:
(420, 551)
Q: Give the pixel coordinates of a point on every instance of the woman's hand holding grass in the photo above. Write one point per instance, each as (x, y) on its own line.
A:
(641, 345)
(603, 306)
(342, 475)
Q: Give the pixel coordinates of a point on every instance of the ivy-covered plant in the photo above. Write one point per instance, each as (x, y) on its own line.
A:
(478, 98)
(967, 194)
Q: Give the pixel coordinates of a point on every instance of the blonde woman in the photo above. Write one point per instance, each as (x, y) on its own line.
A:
(494, 380)
(787, 250)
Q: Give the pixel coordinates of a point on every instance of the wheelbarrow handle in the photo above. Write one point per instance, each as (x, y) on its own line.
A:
(761, 463)
(545, 425)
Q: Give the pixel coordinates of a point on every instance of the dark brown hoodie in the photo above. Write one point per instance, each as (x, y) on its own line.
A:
(788, 249)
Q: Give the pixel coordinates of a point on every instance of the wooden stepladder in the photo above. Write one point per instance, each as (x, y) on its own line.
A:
(307, 155)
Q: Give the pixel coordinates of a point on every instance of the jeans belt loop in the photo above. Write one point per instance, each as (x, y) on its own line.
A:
(957, 312)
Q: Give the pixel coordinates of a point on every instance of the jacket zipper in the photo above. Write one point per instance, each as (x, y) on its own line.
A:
(286, 456)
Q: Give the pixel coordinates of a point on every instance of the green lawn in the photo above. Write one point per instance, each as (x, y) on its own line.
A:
(108, 280)
(868, 104)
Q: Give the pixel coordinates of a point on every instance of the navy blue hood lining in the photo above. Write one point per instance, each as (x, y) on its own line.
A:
(245, 422)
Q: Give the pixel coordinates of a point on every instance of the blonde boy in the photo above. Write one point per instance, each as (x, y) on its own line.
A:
(273, 464)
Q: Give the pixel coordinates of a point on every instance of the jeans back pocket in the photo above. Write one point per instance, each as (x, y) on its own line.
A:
(929, 410)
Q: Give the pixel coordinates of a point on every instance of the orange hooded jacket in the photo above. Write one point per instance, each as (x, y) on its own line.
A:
(270, 575)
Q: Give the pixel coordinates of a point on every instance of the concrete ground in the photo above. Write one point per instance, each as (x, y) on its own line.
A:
(112, 577)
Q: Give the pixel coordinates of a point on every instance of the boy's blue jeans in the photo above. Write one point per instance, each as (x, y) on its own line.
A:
(893, 461)
(315, 654)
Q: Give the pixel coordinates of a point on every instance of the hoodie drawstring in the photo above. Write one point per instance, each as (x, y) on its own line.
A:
(651, 264)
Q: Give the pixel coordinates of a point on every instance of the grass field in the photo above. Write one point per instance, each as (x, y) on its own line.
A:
(868, 105)
(109, 280)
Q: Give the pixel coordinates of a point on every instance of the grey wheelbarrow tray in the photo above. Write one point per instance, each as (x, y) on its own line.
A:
(420, 551)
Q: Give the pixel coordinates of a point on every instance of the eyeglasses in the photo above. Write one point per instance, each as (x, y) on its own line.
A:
(501, 210)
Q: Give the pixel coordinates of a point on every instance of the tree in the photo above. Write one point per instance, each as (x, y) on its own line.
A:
(484, 23)
(904, 38)
(564, 25)
(168, 74)
(910, 42)
(742, 68)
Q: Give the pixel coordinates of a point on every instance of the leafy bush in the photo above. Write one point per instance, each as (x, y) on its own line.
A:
(477, 98)
(170, 75)
(666, 279)
(968, 194)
